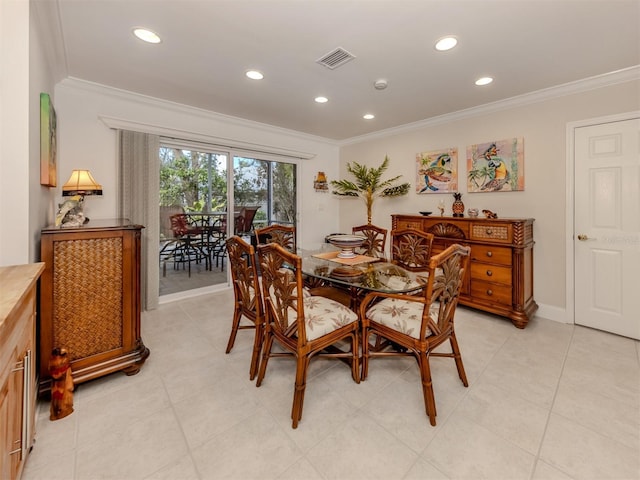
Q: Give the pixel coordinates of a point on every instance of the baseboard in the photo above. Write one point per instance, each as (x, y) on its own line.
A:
(550, 312)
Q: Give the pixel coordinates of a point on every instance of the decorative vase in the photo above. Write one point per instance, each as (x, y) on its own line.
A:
(458, 206)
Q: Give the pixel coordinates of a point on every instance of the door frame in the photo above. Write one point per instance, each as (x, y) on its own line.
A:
(570, 310)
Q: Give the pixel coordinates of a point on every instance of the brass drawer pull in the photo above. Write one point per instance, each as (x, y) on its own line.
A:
(489, 273)
(489, 292)
(489, 254)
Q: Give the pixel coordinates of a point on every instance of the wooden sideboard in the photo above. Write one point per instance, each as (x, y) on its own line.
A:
(500, 275)
(17, 367)
(90, 299)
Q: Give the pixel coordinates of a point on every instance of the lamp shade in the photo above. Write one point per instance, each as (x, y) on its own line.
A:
(81, 183)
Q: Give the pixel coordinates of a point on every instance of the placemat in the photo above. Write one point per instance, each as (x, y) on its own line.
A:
(333, 256)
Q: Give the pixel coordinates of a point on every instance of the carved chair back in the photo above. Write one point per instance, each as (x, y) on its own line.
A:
(376, 240)
(283, 235)
(411, 249)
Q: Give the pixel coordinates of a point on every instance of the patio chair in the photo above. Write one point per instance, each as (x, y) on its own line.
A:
(188, 246)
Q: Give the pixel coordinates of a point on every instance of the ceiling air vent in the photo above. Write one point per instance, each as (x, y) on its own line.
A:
(335, 58)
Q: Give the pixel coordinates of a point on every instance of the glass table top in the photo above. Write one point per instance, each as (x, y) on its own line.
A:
(379, 275)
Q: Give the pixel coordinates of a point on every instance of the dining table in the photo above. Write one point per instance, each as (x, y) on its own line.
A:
(358, 276)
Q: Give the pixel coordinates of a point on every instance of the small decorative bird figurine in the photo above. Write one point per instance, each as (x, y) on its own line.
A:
(70, 212)
(438, 170)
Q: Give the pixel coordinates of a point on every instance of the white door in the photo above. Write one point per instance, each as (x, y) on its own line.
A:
(607, 227)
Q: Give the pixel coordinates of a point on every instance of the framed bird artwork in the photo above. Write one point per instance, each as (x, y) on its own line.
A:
(496, 166)
(437, 171)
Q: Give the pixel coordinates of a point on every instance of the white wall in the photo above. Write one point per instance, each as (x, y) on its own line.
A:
(42, 204)
(86, 142)
(543, 126)
(24, 204)
(14, 132)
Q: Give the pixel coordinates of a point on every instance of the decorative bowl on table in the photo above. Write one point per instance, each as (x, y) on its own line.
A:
(426, 214)
(346, 244)
(348, 274)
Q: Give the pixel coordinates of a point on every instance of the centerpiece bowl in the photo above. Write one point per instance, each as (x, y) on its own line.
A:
(346, 244)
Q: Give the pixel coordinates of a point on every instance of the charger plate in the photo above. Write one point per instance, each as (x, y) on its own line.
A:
(333, 256)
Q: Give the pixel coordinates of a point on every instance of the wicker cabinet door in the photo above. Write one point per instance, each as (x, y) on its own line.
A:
(91, 301)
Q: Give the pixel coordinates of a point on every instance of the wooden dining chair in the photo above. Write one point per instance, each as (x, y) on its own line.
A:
(305, 326)
(283, 235)
(375, 243)
(411, 249)
(419, 323)
(248, 296)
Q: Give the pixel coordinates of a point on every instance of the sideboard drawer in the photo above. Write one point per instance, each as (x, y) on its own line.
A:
(491, 254)
(414, 224)
(496, 232)
(491, 273)
(491, 292)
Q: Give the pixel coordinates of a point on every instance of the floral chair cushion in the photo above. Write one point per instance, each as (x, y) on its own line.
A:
(401, 315)
(323, 316)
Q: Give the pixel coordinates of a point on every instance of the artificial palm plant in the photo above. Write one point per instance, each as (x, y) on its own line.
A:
(369, 185)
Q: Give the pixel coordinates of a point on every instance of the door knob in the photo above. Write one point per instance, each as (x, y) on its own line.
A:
(582, 237)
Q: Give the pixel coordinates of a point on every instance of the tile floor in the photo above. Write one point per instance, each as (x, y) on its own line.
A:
(552, 401)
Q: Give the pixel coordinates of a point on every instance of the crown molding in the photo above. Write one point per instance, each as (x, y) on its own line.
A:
(146, 100)
(599, 81)
(579, 86)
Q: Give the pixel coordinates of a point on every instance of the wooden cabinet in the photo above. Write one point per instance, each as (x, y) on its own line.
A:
(17, 369)
(90, 299)
(500, 275)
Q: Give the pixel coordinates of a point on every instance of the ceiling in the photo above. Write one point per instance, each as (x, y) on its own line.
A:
(208, 45)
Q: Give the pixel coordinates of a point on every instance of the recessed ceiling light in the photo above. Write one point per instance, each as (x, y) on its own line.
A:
(254, 75)
(368, 116)
(484, 81)
(321, 99)
(146, 35)
(446, 43)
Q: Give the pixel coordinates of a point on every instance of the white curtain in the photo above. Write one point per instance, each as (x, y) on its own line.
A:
(139, 200)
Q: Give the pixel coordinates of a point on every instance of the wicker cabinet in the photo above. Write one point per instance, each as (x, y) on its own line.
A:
(17, 368)
(500, 275)
(90, 299)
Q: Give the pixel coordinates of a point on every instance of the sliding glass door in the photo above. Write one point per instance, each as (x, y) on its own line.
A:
(194, 184)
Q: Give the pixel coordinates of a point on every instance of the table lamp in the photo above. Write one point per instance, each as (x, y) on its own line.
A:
(80, 184)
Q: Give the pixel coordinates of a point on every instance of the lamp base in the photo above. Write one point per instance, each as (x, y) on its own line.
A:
(71, 213)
